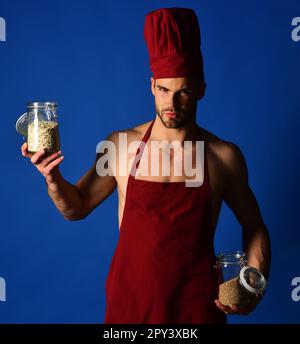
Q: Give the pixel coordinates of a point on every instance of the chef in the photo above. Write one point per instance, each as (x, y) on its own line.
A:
(163, 270)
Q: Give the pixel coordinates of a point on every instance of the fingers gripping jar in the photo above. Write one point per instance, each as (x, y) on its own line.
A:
(238, 283)
(39, 126)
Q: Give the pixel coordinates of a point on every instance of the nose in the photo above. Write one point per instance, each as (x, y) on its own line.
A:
(173, 102)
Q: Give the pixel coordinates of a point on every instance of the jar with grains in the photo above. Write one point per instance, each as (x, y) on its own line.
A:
(39, 126)
(238, 283)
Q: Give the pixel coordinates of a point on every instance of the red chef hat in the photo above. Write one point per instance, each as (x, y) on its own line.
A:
(173, 39)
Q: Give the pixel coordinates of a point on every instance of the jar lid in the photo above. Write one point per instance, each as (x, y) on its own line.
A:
(252, 280)
(22, 124)
(41, 104)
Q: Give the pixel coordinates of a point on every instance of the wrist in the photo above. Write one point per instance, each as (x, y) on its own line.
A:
(53, 181)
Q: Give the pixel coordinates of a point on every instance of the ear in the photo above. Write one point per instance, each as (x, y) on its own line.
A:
(153, 85)
(201, 90)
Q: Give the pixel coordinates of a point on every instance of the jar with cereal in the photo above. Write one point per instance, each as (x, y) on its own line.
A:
(238, 283)
(39, 126)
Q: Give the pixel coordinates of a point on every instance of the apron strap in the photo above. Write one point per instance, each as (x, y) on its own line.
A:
(140, 150)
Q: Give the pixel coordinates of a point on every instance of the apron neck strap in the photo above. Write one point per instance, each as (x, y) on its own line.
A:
(140, 150)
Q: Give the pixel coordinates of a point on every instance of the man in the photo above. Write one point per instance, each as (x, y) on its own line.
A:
(163, 267)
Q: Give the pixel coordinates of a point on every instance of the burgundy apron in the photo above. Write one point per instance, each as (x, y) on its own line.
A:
(162, 269)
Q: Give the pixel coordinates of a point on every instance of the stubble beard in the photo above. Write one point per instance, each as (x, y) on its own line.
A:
(170, 123)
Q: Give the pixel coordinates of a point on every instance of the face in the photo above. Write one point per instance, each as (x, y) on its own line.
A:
(176, 100)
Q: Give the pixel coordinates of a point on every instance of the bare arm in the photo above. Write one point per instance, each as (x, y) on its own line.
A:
(240, 198)
(74, 202)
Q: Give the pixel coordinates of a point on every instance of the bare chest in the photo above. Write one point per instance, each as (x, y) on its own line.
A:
(178, 166)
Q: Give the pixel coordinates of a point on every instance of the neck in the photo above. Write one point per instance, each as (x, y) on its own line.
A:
(188, 132)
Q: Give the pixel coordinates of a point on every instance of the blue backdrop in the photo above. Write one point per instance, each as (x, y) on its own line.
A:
(91, 58)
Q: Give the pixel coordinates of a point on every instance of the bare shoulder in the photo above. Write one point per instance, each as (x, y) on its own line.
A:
(133, 134)
(226, 153)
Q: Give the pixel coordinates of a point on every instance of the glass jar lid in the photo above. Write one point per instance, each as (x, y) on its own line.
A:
(41, 105)
(252, 280)
(22, 124)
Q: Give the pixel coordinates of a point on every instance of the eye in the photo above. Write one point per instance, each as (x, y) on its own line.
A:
(162, 89)
(185, 92)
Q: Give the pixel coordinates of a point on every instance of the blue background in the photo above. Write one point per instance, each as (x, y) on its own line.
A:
(90, 57)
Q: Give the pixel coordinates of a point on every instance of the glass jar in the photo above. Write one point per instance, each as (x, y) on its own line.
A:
(238, 283)
(39, 127)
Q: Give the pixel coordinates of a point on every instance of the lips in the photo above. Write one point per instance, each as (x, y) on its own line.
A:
(171, 114)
